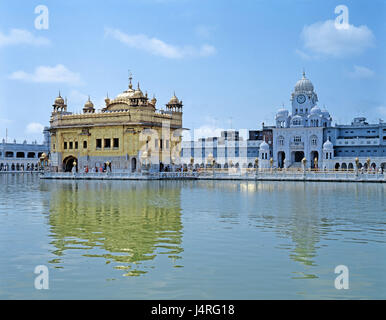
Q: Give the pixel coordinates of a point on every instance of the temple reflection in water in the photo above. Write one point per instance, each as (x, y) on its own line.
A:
(124, 223)
(280, 207)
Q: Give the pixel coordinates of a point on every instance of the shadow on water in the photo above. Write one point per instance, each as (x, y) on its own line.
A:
(125, 223)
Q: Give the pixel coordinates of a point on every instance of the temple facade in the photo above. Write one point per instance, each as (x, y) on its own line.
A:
(128, 134)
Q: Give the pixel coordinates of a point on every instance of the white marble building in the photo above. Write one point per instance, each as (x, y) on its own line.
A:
(299, 134)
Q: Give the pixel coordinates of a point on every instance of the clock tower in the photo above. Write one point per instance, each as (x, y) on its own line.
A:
(303, 98)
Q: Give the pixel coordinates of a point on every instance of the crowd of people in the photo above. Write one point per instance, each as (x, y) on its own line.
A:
(105, 167)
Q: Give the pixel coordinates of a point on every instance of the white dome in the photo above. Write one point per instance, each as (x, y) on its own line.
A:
(297, 120)
(304, 85)
(282, 113)
(264, 146)
(325, 113)
(315, 111)
(328, 145)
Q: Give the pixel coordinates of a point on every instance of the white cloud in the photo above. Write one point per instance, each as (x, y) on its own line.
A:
(158, 47)
(47, 74)
(361, 73)
(34, 128)
(323, 38)
(20, 36)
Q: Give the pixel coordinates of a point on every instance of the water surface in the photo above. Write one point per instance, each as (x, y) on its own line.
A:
(191, 239)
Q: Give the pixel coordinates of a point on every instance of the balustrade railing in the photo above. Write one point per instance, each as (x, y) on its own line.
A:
(237, 173)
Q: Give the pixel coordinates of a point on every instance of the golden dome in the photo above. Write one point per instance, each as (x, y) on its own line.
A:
(174, 100)
(88, 104)
(125, 95)
(138, 93)
(59, 99)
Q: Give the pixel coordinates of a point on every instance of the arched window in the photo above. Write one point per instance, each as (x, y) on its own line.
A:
(280, 141)
(314, 140)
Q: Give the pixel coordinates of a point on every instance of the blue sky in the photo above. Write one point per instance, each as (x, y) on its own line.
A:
(233, 63)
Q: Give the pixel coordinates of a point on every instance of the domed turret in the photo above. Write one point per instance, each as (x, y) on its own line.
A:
(264, 146)
(60, 104)
(153, 101)
(264, 154)
(304, 85)
(328, 146)
(282, 112)
(174, 100)
(138, 93)
(297, 120)
(59, 100)
(88, 106)
(325, 114)
(174, 104)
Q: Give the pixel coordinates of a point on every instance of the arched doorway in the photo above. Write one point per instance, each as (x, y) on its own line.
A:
(344, 166)
(68, 164)
(337, 166)
(314, 155)
(161, 167)
(133, 164)
(281, 159)
(299, 155)
(350, 166)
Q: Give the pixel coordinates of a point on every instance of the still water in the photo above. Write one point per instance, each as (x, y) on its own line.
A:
(191, 239)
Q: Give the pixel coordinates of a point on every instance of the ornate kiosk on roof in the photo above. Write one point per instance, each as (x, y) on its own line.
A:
(118, 134)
